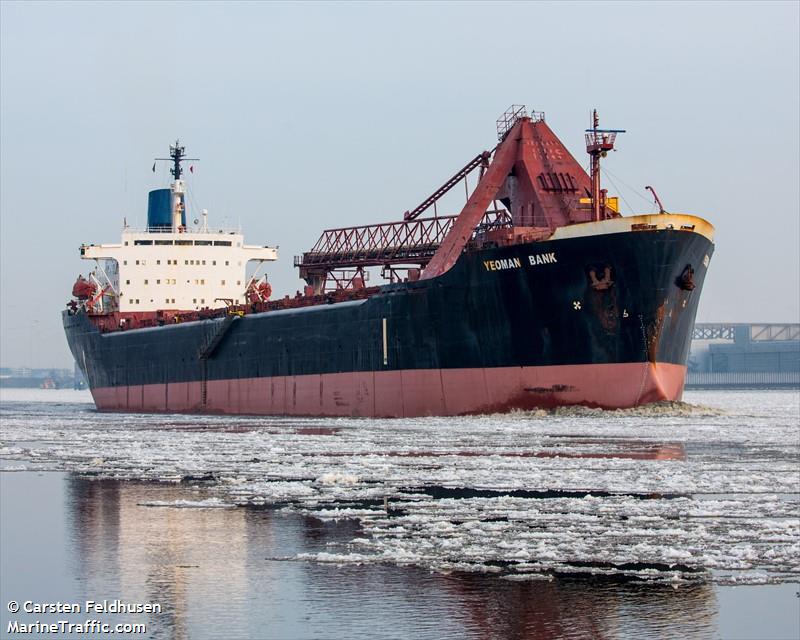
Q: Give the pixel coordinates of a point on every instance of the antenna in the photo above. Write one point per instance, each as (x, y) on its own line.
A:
(598, 143)
(176, 156)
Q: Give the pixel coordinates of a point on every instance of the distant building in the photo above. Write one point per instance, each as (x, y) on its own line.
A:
(23, 377)
(744, 355)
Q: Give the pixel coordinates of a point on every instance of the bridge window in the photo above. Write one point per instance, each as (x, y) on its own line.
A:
(183, 242)
(163, 242)
(222, 243)
(202, 243)
(142, 242)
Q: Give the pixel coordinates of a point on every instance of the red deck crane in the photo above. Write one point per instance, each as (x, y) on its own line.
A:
(539, 183)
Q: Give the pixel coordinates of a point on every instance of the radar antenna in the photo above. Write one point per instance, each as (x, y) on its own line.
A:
(598, 143)
(177, 154)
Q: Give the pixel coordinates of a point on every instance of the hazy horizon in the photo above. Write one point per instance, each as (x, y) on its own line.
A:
(317, 115)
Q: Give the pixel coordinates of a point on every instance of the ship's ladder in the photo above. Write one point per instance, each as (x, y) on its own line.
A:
(208, 350)
(215, 338)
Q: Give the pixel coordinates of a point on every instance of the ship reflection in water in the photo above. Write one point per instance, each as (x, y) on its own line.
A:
(218, 572)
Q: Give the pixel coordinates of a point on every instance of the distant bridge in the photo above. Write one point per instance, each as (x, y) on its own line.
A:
(757, 332)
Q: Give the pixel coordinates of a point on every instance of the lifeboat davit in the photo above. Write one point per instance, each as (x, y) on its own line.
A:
(83, 289)
(259, 292)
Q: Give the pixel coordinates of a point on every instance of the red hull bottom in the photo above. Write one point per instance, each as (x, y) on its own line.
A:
(410, 393)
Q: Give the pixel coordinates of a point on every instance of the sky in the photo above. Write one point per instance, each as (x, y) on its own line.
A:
(308, 116)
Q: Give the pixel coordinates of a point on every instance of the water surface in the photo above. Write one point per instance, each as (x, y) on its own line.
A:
(573, 524)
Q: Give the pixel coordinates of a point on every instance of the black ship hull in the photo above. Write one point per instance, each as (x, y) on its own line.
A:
(602, 320)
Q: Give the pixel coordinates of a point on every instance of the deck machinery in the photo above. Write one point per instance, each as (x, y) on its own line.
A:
(531, 174)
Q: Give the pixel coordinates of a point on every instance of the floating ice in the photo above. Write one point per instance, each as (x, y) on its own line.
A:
(338, 478)
(672, 492)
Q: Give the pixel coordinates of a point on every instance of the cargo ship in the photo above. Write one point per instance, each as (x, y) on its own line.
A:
(538, 293)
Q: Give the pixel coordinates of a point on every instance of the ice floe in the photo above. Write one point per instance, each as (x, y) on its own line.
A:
(701, 490)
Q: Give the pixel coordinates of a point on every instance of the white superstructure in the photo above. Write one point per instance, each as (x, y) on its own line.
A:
(171, 266)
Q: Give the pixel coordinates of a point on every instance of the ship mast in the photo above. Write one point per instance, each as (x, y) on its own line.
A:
(177, 154)
(598, 143)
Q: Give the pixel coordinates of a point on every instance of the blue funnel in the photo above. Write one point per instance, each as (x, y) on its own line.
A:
(159, 210)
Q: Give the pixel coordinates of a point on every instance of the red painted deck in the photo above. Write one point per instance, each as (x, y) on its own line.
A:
(410, 393)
